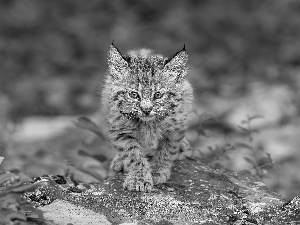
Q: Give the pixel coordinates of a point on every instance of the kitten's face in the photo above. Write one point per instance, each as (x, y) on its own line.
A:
(147, 103)
(147, 85)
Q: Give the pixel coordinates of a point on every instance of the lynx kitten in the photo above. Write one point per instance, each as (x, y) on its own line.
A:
(146, 100)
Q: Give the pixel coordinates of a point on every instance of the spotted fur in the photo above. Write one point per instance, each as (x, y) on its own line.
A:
(146, 100)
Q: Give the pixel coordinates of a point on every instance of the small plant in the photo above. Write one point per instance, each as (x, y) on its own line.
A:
(87, 124)
(13, 209)
(217, 152)
(259, 164)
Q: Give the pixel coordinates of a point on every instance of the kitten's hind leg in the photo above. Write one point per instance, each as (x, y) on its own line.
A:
(117, 163)
(162, 173)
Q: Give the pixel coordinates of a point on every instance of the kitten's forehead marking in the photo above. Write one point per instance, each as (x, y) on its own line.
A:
(147, 91)
(142, 70)
(144, 66)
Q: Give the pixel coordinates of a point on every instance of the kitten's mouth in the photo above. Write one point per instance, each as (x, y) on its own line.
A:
(146, 118)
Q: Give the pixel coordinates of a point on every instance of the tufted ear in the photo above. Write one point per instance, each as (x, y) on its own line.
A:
(176, 66)
(117, 65)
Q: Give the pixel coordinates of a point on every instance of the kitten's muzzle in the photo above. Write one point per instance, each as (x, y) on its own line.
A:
(146, 111)
(146, 106)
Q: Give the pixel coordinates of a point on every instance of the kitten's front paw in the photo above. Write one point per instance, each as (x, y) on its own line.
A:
(141, 184)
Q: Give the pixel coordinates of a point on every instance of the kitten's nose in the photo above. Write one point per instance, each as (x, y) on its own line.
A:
(146, 106)
(146, 111)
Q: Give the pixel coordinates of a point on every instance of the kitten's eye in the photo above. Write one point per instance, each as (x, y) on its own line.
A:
(134, 94)
(158, 95)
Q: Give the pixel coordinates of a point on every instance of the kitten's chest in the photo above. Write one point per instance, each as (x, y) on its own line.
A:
(150, 137)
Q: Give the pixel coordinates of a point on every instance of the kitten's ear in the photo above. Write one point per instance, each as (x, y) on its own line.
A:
(177, 66)
(117, 65)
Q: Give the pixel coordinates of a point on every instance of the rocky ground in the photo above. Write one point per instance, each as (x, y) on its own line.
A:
(244, 67)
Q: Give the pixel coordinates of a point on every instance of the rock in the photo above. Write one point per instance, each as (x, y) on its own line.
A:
(195, 194)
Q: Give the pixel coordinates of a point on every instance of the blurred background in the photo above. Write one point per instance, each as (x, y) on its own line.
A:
(244, 60)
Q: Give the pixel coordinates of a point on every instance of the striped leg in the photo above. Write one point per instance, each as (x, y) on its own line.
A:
(139, 176)
(131, 157)
(163, 160)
